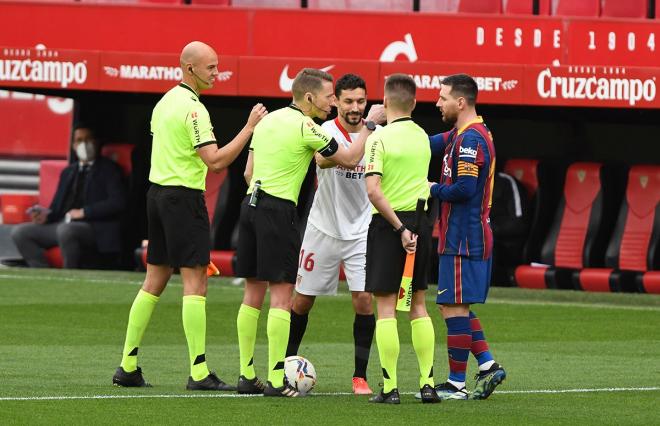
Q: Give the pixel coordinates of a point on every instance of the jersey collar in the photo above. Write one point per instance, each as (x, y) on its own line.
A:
(401, 119)
(343, 131)
(477, 120)
(185, 86)
(294, 106)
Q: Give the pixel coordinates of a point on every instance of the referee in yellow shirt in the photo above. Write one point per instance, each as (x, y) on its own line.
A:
(397, 163)
(282, 148)
(184, 147)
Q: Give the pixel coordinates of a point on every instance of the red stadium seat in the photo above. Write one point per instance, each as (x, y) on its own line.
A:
(273, 4)
(480, 6)
(372, 5)
(632, 249)
(518, 7)
(462, 6)
(177, 2)
(525, 7)
(14, 207)
(625, 8)
(590, 8)
(212, 2)
(54, 257)
(224, 260)
(49, 176)
(650, 282)
(576, 237)
(120, 153)
(214, 182)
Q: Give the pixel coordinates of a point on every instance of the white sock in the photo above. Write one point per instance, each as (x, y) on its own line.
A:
(459, 385)
(486, 365)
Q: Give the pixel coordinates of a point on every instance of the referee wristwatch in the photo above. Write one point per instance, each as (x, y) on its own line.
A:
(401, 229)
(370, 125)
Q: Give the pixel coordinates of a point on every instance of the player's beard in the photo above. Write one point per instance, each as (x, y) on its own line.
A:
(353, 118)
(449, 118)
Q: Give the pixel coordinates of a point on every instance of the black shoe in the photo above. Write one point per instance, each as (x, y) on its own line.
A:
(487, 381)
(286, 390)
(391, 397)
(133, 379)
(428, 395)
(250, 386)
(209, 383)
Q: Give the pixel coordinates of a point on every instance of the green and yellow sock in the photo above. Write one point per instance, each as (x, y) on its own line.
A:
(387, 340)
(138, 320)
(193, 313)
(423, 340)
(246, 325)
(279, 322)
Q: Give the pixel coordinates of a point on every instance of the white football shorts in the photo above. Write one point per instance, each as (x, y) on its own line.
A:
(320, 257)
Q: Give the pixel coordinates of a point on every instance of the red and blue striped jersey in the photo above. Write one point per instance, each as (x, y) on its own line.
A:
(465, 189)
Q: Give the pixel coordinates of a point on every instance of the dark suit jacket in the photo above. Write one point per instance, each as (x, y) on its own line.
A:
(105, 199)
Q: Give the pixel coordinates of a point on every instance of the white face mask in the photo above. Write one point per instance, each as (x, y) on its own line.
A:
(85, 151)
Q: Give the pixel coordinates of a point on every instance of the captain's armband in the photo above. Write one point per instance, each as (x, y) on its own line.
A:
(330, 149)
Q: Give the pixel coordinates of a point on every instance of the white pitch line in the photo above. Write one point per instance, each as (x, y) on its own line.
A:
(232, 395)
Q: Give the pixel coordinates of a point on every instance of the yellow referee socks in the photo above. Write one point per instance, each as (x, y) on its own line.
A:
(138, 320)
(193, 313)
(279, 322)
(423, 340)
(246, 325)
(387, 339)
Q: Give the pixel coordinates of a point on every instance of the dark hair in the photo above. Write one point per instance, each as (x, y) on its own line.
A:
(309, 80)
(462, 85)
(349, 82)
(82, 125)
(400, 90)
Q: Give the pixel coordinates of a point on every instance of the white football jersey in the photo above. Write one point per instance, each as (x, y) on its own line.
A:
(341, 208)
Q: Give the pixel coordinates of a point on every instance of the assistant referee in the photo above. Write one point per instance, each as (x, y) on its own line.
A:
(184, 147)
(282, 148)
(397, 161)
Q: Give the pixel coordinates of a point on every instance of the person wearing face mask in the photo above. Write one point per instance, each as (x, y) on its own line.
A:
(83, 218)
(282, 147)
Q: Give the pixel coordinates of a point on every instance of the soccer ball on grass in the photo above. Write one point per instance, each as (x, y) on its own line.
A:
(300, 373)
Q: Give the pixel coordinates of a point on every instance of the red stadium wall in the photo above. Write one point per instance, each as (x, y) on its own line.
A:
(34, 125)
(602, 62)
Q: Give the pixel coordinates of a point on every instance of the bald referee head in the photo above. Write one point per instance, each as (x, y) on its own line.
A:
(199, 64)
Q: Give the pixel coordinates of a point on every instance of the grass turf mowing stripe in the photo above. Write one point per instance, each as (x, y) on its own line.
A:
(232, 395)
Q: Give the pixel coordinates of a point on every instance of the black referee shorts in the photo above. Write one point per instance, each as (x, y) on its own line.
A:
(178, 227)
(386, 256)
(268, 240)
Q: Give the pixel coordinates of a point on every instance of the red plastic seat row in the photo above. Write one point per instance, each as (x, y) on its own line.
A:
(606, 8)
(578, 235)
(633, 250)
(573, 256)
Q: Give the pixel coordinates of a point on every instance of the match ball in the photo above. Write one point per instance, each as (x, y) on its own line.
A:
(300, 373)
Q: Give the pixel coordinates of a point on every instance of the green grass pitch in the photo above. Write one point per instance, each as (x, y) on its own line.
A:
(61, 334)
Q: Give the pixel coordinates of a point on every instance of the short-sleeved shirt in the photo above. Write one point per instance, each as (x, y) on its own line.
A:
(283, 144)
(180, 124)
(341, 207)
(400, 154)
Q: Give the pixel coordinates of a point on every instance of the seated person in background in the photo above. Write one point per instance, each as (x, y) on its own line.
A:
(83, 219)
